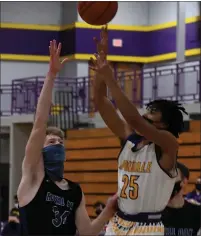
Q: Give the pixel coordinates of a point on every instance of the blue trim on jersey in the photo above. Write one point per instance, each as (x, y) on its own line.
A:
(134, 138)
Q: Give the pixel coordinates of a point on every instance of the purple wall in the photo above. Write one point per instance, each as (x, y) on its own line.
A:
(79, 40)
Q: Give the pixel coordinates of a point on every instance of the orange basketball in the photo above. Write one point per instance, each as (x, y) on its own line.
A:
(97, 13)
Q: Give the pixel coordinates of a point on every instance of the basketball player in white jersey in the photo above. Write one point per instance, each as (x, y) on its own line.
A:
(146, 163)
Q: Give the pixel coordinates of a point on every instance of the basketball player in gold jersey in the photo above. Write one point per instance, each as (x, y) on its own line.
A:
(147, 161)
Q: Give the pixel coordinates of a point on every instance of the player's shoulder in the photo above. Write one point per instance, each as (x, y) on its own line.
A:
(76, 191)
(73, 185)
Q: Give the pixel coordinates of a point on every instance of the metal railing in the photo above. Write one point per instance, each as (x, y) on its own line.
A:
(183, 82)
(74, 96)
(5, 99)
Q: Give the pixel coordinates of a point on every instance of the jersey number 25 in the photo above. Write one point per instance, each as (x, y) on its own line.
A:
(129, 182)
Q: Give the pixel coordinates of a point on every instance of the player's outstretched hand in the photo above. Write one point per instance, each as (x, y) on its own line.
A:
(55, 64)
(102, 44)
(101, 66)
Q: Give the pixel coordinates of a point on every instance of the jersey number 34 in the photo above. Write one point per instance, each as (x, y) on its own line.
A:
(129, 182)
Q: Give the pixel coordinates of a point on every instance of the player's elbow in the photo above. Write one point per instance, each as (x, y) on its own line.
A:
(87, 229)
(92, 230)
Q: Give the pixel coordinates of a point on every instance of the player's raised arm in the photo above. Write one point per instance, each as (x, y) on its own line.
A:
(32, 165)
(161, 135)
(106, 109)
(108, 112)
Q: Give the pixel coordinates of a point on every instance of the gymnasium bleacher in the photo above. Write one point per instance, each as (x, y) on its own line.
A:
(92, 160)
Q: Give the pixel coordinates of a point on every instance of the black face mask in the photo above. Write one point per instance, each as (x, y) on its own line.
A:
(54, 157)
(176, 189)
(198, 186)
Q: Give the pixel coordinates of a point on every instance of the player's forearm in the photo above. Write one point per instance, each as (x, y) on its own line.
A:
(107, 110)
(44, 102)
(100, 90)
(127, 109)
(98, 224)
(101, 101)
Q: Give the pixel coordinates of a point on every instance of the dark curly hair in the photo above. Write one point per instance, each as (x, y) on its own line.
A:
(171, 114)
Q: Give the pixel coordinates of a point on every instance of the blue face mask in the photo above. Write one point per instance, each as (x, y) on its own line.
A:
(54, 157)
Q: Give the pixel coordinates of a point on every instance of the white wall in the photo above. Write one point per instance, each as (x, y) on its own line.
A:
(130, 13)
(74, 69)
(31, 12)
(149, 13)
(16, 69)
(82, 69)
(162, 12)
(69, 12)
(192, 9)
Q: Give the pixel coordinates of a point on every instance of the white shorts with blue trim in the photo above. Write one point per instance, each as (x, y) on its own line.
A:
(119, 226)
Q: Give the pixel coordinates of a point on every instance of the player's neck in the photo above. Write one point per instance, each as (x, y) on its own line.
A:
(177, 202)
(63, 184)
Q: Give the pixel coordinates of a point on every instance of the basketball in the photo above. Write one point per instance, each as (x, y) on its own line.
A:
(97, 13)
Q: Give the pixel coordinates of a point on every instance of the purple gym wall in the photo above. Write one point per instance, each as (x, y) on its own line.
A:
(79, 40)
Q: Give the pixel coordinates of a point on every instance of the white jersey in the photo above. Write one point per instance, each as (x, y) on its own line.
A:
(142, 185)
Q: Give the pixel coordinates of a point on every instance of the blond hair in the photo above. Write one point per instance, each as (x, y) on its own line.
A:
(55, 131)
